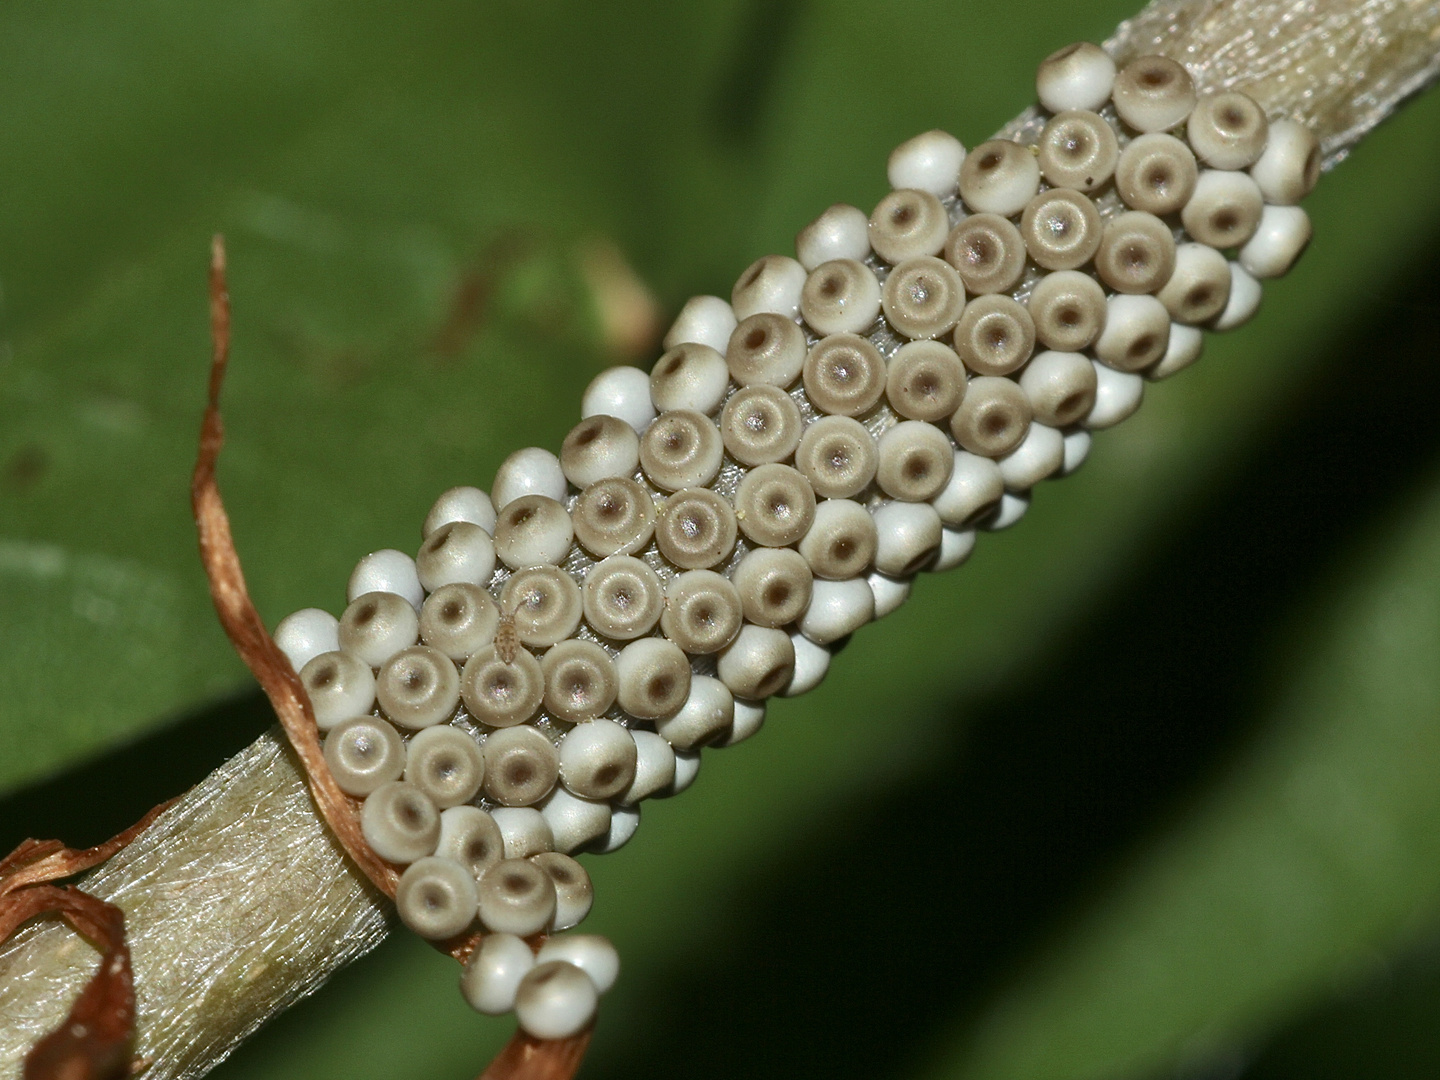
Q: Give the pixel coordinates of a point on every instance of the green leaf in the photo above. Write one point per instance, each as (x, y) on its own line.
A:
(1311, 851)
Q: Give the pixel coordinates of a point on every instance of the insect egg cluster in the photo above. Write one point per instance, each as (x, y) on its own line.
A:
(562, 649)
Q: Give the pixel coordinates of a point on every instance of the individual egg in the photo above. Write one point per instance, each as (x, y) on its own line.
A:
(749, 719)
(1067, 309)
(812, 664)
(580, 680)
(436, 898)
(492, 973)
(691, 377)
(1040, 454)
(681, 449)
(774, 585)
(837, 457)
(988, 252)
(1156, 174)
(502, 693)
(460, 504)
(1060, 386)
(376, 626)
(555, 1001)
(702, 612)
(457, 552)
(446, 764)
(1077, 449)
(599, 447)
(1077, 149)
(766, 349)
(521, 766)
(1289, 166)
(837, 608)
(1186, 344)
(654, 767)
(418, 687)
(524, 832)
(925, 380)
(1137, 330)
(929, 162)
(544, 603)
(516, 897)
(654, 678)
(708, 710)
(999, 177)
(533, 530)
(1227, 130)
(915, 459)
(339, 686)
(771, 284)
(591, 953)
(1117, 396)
(613, 517)
(955, 548)
(840, 297)
(597, 759)
(1225, 209)
(1061, 229)
(993, 418)
(363, 753)
(1199, 287)
(774, 505)
(459, 620)
(387, 571)
(624, 821)
(907, 224)
(399, 822)
(687, 768)
(704, 320)
(530, 471)
(574, 821)
(975, 487)
(890, 593)
(305, 634)
(758, 663)
(760, 424)
(907, 537)
(574, 894)
(1153, 93)
(697, 529)
(995, 335)
(622, 392)
(470, 837)
(1280, 238)
(1245, 295)
(841, 232)
(1136, 254)
(841, 541)
(1079, 76)
(844, 375)
(923, 297)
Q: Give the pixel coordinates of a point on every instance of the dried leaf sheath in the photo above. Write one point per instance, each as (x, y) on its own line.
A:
(93, 1042)
(242, 622)
(38, 861)
(528, 1058)
(524, 1058)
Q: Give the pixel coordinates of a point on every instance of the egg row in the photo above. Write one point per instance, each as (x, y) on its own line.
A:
(518, 766)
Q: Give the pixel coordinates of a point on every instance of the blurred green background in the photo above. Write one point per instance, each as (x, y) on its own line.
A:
(1148, 788)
